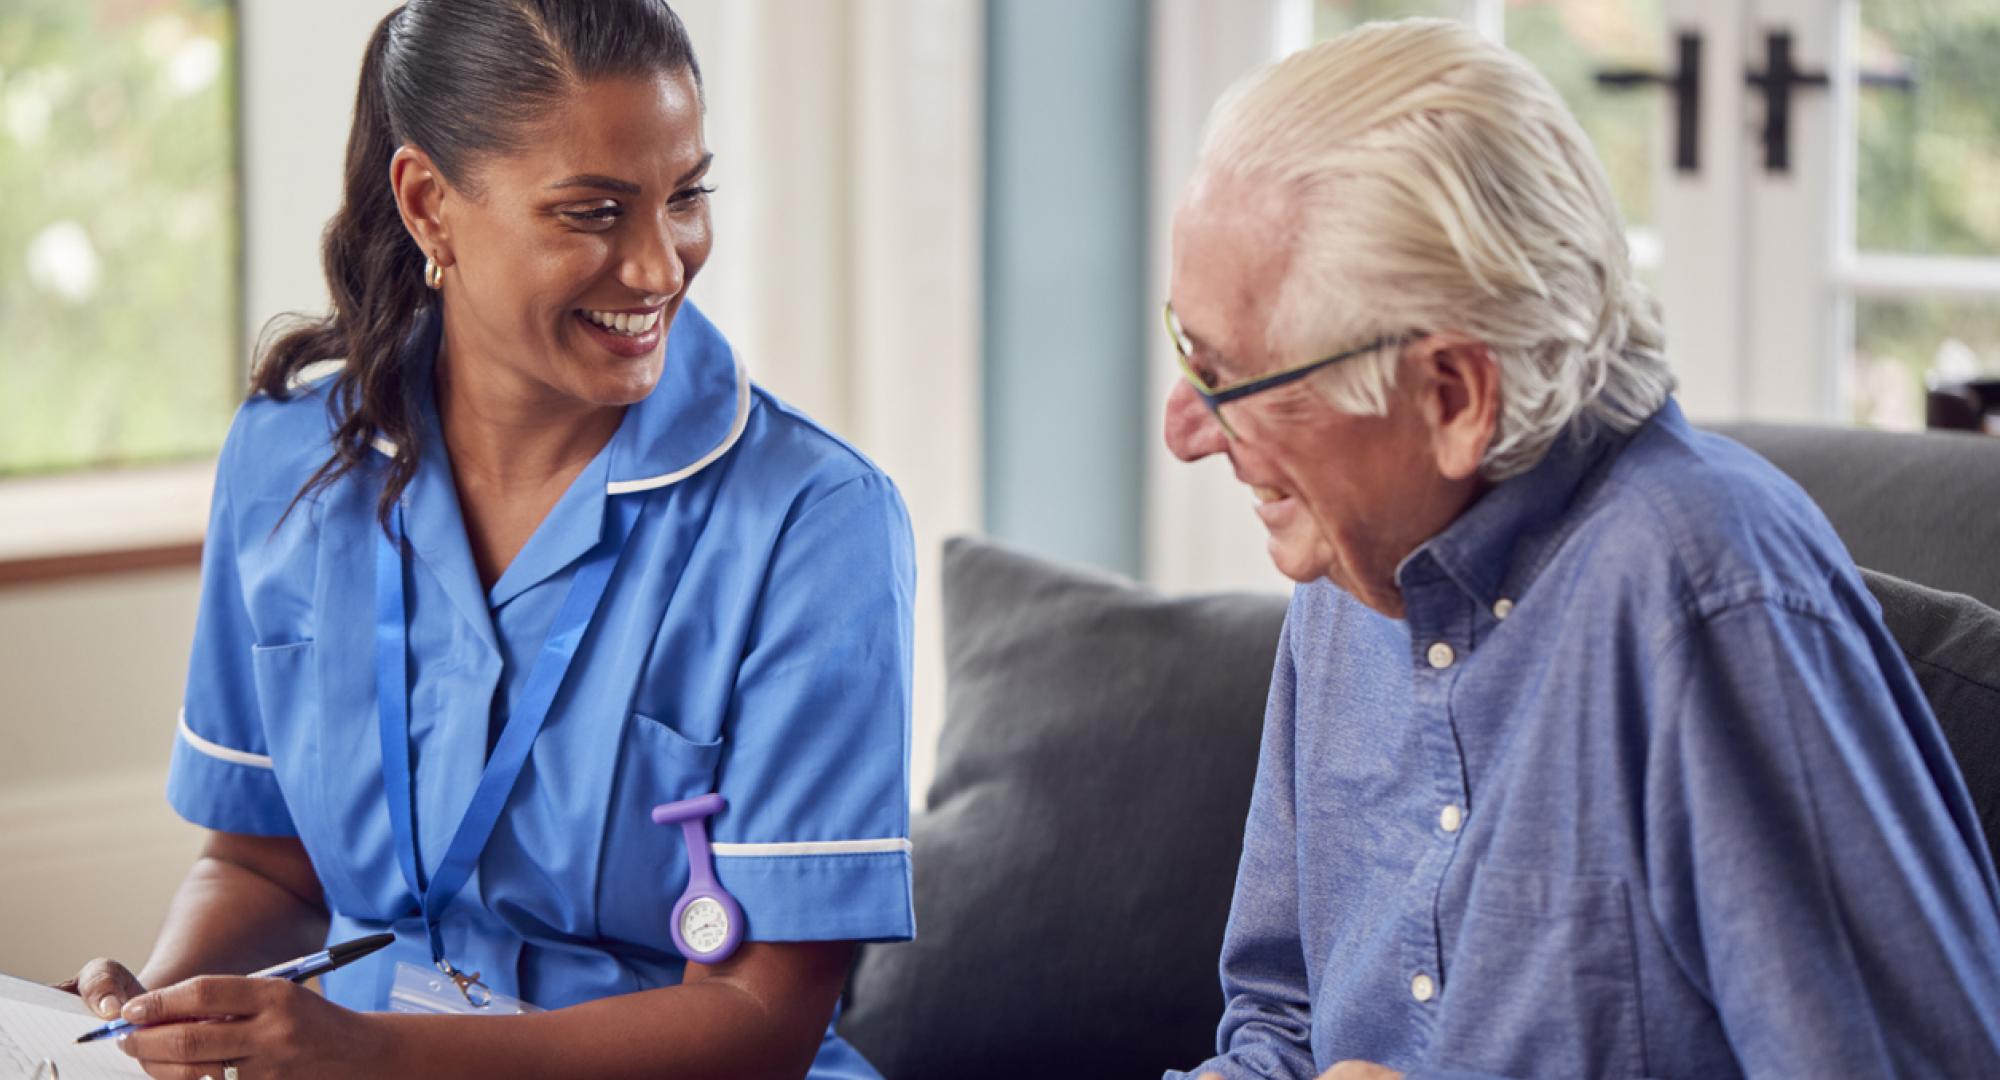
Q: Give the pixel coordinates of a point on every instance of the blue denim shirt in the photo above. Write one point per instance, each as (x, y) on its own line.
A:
(1641, 787)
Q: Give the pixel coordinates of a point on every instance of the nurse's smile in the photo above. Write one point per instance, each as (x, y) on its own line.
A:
(629, 333)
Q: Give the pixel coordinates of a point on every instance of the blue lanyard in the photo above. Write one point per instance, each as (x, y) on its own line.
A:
(524, 722)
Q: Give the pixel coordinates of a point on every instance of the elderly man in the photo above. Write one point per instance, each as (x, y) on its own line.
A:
(1587, 754)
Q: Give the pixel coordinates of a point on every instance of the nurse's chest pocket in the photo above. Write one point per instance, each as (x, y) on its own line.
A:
(645, 866)
(288, 702)
(1541, 978)
(287, 684)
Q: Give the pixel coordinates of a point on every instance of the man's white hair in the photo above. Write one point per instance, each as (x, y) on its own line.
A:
(1438, 183)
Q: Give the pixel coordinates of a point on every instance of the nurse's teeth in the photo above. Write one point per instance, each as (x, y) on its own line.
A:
(1265, 494)
(624, 323)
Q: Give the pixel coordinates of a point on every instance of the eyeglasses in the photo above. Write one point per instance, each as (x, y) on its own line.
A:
(1215, 397)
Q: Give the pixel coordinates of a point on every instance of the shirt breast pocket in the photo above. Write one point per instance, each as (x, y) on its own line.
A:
(284, 674)
(287, 681)
(293, 707)
(1541, 978)
(645, 866)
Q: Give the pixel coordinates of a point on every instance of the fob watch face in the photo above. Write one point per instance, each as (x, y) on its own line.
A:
(704, 925)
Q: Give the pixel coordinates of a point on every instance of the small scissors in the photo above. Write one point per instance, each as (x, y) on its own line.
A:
(46, 1071)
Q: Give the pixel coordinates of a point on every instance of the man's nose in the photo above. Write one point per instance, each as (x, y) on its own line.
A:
(1192, 431)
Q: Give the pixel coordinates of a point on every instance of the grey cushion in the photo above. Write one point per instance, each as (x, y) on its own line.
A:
(1953, 645)
(1922, 506)
(1075, 865)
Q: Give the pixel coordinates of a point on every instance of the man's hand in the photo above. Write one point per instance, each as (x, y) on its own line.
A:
(1360, 1070)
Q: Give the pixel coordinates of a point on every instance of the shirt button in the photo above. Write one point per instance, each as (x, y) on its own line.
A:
(1423, 988)
(1451, 817)
(1441, 656)
(1502, 608)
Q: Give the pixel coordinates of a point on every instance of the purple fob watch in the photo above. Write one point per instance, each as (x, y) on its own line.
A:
(708, 924)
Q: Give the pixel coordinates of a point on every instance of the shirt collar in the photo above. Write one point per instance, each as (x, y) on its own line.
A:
(693, 416)
(696, 412)
(1503, 539)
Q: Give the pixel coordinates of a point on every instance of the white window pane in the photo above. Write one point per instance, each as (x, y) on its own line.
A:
(1929, 153)
(118, 237)
(1904, 345)
(1569, 42)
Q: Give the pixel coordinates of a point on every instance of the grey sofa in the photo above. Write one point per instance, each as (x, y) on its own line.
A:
(1075, 862)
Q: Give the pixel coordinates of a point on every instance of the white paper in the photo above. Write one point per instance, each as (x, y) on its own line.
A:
(38, 1022)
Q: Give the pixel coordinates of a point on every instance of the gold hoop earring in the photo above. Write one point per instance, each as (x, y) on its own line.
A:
(433, 273)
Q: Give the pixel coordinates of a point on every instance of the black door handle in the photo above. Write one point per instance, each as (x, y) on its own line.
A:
(1778, 79)
(1781, 76)
(1685, 82)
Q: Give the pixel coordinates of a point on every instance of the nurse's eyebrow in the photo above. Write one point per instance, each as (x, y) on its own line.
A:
(699, 168)
(601, 183)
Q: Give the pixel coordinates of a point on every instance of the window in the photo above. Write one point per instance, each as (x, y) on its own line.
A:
(1926, 132)
(119, 289)
(1840, 286)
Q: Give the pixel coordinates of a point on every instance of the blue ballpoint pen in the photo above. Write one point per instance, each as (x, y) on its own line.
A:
(305, 967)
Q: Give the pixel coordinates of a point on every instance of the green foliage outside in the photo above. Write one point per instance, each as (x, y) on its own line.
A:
(119, 292)
(1570, 43)
(1928, 170)
(1928, 182)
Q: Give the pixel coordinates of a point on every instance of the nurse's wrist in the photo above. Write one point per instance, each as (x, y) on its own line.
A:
(389, 1044)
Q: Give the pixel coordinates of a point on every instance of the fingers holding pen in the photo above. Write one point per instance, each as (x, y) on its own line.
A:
(201, 1021)
(268, 1026)
(105, 985)
(206, 997)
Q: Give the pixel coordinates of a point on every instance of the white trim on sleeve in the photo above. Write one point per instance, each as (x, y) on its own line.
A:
(812, 847)
(219, 752)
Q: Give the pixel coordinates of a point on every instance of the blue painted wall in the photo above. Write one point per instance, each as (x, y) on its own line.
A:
(1065, 270)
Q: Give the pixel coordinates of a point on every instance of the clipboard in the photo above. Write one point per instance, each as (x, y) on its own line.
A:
(38, 1028)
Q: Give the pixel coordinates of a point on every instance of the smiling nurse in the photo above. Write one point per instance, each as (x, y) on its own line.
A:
(536, 560)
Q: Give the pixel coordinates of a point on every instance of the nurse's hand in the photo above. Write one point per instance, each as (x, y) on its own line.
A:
(105, 986)
(267, 1028)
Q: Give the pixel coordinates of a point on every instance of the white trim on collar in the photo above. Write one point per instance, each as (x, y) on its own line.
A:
(387, 448)
(624, 487)
(220, 752)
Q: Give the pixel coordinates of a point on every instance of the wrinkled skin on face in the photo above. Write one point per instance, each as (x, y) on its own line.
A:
(1343, 497)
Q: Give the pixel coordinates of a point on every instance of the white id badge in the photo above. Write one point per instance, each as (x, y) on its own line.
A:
(421, 989)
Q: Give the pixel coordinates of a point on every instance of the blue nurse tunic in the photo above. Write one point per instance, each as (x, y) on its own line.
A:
(755, 640)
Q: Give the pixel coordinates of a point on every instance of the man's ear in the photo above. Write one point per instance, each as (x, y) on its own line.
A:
(1459, 393)
(421, 190)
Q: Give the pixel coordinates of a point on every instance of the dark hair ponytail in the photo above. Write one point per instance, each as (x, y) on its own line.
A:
(461, 79)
